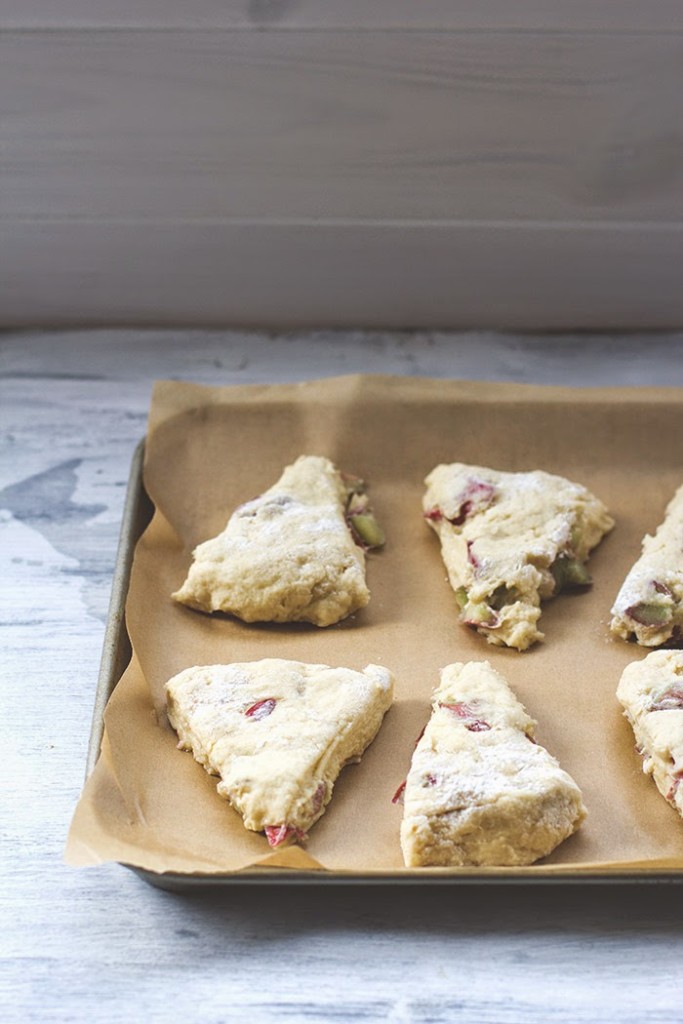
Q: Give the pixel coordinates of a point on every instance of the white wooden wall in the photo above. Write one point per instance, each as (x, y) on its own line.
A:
(287, 163)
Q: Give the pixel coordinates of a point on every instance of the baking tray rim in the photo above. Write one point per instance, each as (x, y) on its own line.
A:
(116, 652)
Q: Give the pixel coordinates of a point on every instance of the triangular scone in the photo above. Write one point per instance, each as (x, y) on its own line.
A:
(651, 692)
(649, 605)
(286, 556)
(480, 790)
(509, 541)
(278, 733)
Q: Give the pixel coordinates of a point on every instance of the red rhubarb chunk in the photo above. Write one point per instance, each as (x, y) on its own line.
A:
(262, 708)
(476, 497)
(469, 717)
(477, 726)
(434, 514)
(279, 834)
(662, 588)
(676, 780)
(463, 513)
(471, 557)
(671, 700)
(318, 797)
(398, 795)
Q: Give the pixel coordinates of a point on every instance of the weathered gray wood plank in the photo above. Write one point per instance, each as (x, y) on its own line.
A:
(361, 275)
(611, 15)
(157, 126)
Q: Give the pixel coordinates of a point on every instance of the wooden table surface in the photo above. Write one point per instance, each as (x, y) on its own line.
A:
(100, 944)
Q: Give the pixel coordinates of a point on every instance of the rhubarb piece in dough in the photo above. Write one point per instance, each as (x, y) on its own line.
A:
(480, 790)
(278, 733)
(509, 541)
(651, 693)
(649, 605)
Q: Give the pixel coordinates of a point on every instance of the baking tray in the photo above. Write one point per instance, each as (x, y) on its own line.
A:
(137, 514)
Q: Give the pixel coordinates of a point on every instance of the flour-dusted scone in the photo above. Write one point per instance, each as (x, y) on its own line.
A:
(278, 733)
(651, 693)
(509, 541)
(480, 791)
(649, 605)
(294, 554)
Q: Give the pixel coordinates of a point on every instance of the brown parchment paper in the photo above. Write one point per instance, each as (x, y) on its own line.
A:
(209, 449)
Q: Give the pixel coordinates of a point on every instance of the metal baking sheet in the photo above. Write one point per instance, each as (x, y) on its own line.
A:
(137, 513)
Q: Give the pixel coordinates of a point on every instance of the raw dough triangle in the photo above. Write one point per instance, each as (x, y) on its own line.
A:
(480, 791)
(509, 541)
(278, 733)
(286, 556)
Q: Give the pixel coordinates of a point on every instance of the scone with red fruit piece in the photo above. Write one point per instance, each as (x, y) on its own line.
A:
(278, 733)
(480, 790)
(509, 541)
(649, 605)
(651, 693)
(294, 554)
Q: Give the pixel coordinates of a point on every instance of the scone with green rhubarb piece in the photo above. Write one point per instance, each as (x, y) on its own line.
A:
(509, 541)
(480, 790)
(294, 554)
(278, 734)
(651, 693)
(649, 605)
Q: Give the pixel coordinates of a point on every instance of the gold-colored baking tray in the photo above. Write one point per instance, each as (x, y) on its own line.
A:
(138, 511)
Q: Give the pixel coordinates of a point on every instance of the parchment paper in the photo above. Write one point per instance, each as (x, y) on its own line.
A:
(209, 449)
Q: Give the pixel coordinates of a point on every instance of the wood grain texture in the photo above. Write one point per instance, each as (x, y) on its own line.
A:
(99, 946)
(158, 126)
(611, 15)
(361, 275)
(317, 177)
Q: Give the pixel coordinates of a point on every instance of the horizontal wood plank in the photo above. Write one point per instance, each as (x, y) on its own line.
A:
(439, 126)
(307, 275)
(573, 15)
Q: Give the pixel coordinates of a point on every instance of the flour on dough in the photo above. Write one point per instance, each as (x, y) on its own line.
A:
(287, 556)
(480, 790)
(278, 733)
(651, 693)
(509, 541)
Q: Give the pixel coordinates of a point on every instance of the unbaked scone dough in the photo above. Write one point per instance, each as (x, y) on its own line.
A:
(278, 733)
(651, 692)
(509, 541)
(649, 605)
(480, 791)
(287, 556)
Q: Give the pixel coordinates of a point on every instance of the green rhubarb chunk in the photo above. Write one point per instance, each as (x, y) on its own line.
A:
(569, 572)
(461, 597)
(576, 536)
(357, 503)
(576, 574)
(368, 529)
(479, 615)
(648, 614)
